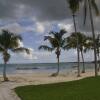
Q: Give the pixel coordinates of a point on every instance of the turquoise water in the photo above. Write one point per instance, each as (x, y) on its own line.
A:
(14, 68)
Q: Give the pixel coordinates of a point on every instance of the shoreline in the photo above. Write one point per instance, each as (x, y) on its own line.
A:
(16, 80)
(45, 76)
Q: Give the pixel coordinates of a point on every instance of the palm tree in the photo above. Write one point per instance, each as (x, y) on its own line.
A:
(74, 6)
(92, 4)
(90, 45)
(56, 41)
(72, 44)
(9, 42)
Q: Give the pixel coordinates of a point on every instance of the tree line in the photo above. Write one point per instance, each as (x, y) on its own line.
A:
(76, 40)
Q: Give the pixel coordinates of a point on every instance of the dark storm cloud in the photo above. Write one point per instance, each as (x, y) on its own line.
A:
(42, 10)
(50, 9)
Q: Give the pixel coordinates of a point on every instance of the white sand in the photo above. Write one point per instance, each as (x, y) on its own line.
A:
(6, 88)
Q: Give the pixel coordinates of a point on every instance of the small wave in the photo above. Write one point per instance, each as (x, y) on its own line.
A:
(26, 68)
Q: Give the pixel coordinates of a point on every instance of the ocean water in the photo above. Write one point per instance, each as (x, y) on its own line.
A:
(14, 68)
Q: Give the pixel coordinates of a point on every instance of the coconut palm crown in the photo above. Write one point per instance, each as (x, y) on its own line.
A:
(71, 42)
(73, 5)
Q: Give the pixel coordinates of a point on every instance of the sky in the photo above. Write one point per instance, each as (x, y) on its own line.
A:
(33, 19)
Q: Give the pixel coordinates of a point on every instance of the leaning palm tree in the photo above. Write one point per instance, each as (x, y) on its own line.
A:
(89, 4)
(74, 6)
(72, 44)
(9, 42)
(56, 41)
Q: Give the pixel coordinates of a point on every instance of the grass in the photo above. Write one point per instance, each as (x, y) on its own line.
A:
(84, 89)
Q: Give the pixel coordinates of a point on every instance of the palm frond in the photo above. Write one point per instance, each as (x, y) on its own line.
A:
(9, 40)
(73, 5)
(45, 47)
(62, 32)
(21, 49)
(52, 33)
(66, 47)
(94, 5)
(53, 41)
(63, 42)
(47, 37)
(2, 48)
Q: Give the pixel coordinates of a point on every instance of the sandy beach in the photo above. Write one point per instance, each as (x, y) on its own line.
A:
(7, 88)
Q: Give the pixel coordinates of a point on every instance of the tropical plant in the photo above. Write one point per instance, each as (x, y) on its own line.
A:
(56, 41)
(74, 6)
(71, 42)
(90, 45)
(89, 4)
(9, 42)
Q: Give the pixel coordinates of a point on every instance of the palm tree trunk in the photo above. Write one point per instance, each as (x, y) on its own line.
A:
(99, 65)
(58, 65)
(4, 72)
(83, 70)
(99, 55)
(93, 34)
(78, 56)
(98, 62)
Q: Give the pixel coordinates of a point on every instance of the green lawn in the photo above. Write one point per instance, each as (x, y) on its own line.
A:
(84, 89)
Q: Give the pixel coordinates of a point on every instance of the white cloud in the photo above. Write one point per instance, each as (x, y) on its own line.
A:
(42, 53)
(30, 28)
(13, 27)
(20, 43)
(30, 56)
(68, 27)
(40, 27)
(35, 55)
(37, 27)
